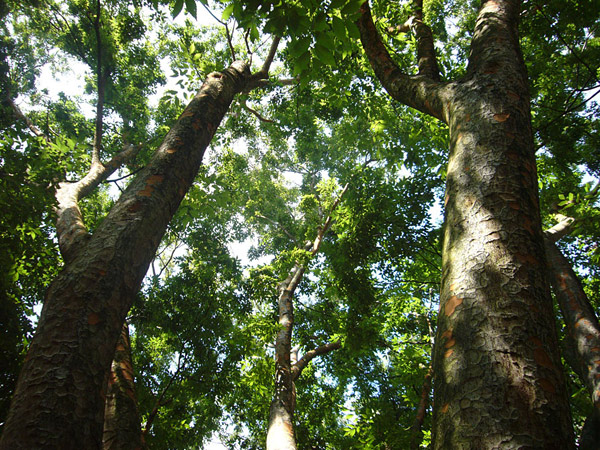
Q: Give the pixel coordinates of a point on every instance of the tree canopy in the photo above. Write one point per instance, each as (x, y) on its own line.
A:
(312, 148)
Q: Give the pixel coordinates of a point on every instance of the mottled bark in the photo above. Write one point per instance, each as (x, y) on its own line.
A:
(122, 429)
(59, 400)
(498, 376)
(280, 433)
(580, 319)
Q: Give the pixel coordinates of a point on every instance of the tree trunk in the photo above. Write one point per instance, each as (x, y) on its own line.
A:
(416, 431)
(122, 429)
(498, 376)
(580, 319)
(59, 400)
(280, 432)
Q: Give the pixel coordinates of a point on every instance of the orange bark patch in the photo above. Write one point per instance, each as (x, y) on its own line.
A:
(527, 224)
(93, 319)
(448, 353)
(171, 150)
(154, 179)
(536, 341)
(468, 118)
(447, 334)
(526, 258)
(186, 113)
(542, 358)
(102, 272)
(595, 349)
(451, 305)
(514, 205)
(446, 198)
(450, 343)
(501, 117)
(514, 95)
(547, 386)
(444, 408)
(197, 124)
(150, 182)
(135, 207)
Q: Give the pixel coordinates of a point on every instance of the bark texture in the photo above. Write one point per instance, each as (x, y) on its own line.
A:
(498, 377)
(580, 319)
(122, 429)
(59, 400)
(499, 380)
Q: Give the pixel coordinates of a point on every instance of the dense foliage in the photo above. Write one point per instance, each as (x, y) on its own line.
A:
(204, 324)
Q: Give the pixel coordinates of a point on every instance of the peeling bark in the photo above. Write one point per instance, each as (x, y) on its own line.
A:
(122, 429)
(499, 380)
(59, 400)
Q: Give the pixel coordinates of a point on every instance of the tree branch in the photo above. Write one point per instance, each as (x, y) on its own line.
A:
(35, 130)
(253, 111)
(420, 92)
(70, 228)
(426, 59)
(309, 356)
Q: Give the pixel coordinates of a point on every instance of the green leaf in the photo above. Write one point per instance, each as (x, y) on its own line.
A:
(336, 4)
(227, 12)
(351, 8)
(339, 28)
(177, 8)
(324, 55)
(190, 6)
(353, 30)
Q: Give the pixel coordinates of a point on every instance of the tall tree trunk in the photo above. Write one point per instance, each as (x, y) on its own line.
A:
(498, 376)
(122, 429)
(59, 400)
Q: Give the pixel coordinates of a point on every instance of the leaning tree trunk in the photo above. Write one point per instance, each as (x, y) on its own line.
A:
(59, 400)
(122, 429)
(582, 326)
(498, 375)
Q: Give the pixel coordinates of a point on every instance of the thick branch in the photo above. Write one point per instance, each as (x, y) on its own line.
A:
(560, 230)
(259, 78)
(70, 228)
(426, 59)
(419, 92)
(101, 82)
(580, 318)
(309, 356)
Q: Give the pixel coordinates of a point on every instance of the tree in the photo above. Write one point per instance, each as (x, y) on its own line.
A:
(201, 327)
(495, 337)
(63, 378)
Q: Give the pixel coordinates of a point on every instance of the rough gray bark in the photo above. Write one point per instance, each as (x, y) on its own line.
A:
(498, 376)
